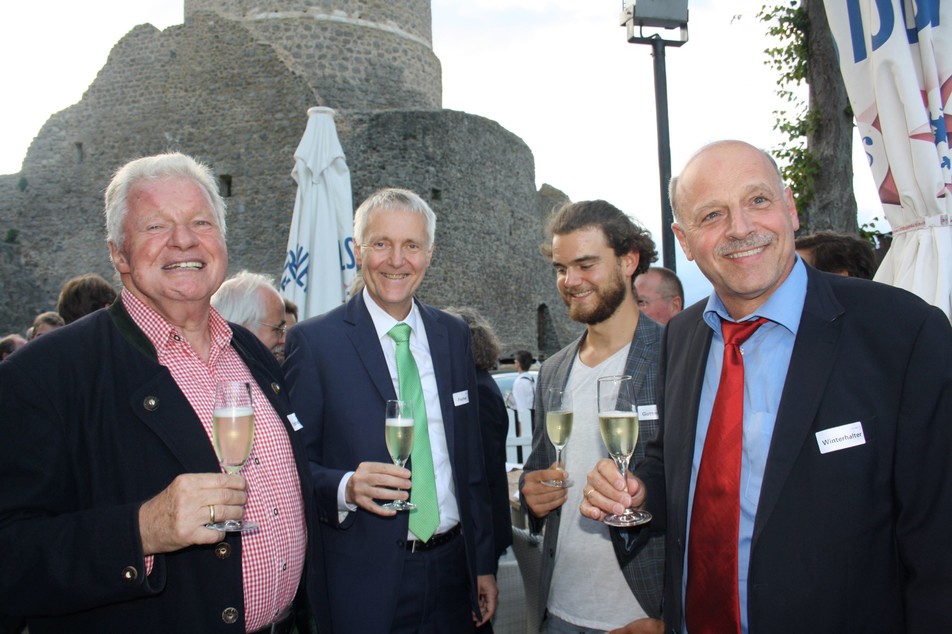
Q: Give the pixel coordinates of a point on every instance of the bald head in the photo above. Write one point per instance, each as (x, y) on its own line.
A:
(736, 220)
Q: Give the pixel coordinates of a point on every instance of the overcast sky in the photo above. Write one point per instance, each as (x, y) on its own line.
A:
(557, 73)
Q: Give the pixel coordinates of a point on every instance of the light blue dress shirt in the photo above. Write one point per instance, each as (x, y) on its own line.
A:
(766, 359)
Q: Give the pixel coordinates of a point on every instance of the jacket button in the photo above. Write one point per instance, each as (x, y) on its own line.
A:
(276, 387)
(229, 615)
(130, 574)
(151, 403)
(223, 550)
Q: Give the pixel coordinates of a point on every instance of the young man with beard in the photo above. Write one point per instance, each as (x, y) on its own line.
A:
(596, 250)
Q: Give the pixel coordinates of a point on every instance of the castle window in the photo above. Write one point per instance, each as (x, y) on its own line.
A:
(436, 194)
(79, 152)
(224, 185)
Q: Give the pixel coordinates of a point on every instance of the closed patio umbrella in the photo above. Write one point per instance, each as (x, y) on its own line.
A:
(319, 266)
(896, 59)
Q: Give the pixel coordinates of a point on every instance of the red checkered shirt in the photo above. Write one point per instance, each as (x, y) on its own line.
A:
(272, 557)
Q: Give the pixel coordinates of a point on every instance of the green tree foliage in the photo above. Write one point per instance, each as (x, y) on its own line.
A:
(789, 25)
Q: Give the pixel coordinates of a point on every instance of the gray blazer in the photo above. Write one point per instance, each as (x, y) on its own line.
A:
(644, 572)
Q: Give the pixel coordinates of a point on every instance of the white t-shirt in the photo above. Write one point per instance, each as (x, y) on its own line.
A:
(523, 391)
(588, 588)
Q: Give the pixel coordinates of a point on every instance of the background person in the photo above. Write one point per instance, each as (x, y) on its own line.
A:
(10, 344)
(838, 253)
(251, 300)
(109, 487)
(523, 387)
(45, 322)
(660, 294)
(493, 423)
(831, 510)
(431, 569)
(290, 312)
(596, 250)
(290, 318)
(82, 295)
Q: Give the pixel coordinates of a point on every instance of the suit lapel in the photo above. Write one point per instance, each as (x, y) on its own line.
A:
(438, 339)
(811, 363)
(363, 336)
(682, 400)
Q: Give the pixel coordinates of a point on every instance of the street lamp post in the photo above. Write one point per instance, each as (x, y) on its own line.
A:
(665, 15)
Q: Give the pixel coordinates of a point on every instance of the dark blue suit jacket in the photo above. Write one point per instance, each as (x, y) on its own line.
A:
(339, 385)
(853, 540)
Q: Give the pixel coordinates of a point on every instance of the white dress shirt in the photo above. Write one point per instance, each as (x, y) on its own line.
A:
(420, 348)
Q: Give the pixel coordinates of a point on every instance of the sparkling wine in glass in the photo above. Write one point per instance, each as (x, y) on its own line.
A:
(558, 427)
(618, 422)
(233, 430)
(398, 427)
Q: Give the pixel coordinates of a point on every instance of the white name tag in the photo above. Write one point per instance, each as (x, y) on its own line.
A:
(647, 412)
(295, 423)
(842, 437)
(461, 398)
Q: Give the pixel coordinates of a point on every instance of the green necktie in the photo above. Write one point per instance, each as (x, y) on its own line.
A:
(426, 518)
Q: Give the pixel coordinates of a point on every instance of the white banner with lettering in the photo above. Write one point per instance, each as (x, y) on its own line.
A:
(319, 266)
(896, 59)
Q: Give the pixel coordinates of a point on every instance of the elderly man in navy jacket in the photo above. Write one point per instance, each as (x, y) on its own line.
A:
(106, 455)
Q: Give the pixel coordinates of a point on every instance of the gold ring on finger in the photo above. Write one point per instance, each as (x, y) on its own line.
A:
(211, 513)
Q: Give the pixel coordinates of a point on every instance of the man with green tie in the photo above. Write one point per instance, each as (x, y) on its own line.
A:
(424, 570)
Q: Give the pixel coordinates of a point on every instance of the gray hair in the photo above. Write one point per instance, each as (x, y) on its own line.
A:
(240, 299)
(673, 183)
(153, 168)
(393, 199)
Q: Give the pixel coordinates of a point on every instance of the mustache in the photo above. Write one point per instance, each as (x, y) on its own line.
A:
(753, 241)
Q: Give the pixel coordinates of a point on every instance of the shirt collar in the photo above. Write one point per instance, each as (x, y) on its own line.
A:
(162, 334)
(784, 306)
(383, 321)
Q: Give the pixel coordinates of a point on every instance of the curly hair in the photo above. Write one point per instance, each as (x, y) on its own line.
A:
(623, 234)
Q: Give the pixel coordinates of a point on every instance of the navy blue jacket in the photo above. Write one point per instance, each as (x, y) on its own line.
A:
(91, 427)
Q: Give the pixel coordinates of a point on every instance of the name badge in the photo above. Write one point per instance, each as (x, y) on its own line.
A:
(842, 437)
(647, 412)
(295, 423)
(461, 398)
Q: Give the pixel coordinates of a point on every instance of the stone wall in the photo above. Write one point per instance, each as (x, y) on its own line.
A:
(479, 179)
(356, 54)
(212, 89)
(207, 89)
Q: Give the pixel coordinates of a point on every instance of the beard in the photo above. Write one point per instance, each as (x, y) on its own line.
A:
(610, 296)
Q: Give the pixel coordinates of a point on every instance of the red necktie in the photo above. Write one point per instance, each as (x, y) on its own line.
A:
(711, 602)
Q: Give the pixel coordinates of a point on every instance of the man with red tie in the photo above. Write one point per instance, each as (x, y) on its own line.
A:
(801, 470)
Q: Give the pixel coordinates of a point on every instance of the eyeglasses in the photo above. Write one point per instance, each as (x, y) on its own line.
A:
(280, 329)
(642, 303)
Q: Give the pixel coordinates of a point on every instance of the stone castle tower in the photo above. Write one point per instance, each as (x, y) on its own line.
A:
(232, 86)
(355, 54)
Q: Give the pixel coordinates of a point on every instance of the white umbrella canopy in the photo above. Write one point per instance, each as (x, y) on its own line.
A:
(896, 59)
(319, 267)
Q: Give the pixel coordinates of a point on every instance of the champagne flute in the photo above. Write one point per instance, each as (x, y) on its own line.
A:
(233, 429)
(558, 427)
(618, 422)
(398, 427)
